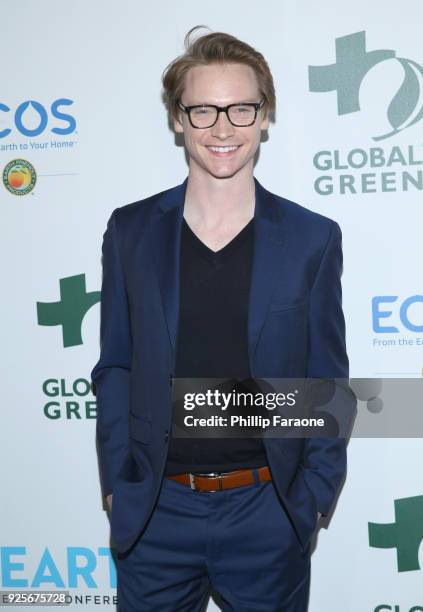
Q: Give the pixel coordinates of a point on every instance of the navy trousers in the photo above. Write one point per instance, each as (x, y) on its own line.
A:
(238, 542)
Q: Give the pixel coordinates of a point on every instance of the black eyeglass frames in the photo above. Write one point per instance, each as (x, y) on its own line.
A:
(241, 114)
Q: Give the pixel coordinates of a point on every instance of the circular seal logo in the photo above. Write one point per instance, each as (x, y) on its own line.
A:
(19, 177)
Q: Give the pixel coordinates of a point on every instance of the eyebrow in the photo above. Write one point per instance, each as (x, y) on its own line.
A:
(242, 101)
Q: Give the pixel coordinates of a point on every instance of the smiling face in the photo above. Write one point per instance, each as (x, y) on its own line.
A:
(221, 84)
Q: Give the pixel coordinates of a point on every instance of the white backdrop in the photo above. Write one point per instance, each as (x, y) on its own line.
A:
(106, 60)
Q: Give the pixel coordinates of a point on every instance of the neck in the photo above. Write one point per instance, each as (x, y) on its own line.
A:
(212, 201)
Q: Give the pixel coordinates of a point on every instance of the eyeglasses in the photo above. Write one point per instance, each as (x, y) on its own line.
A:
(203, 116)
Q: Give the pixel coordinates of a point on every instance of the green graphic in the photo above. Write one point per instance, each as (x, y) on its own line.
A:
(71, 310)
(352, 64)
(405, 534)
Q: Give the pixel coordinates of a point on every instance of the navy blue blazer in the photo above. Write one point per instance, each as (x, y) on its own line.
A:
(296, 329)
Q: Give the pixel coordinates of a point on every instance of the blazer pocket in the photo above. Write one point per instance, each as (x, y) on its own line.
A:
(139, 429)
(282, 306)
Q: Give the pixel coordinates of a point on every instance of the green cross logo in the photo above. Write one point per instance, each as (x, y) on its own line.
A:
(405, 534)
(71, 310)
(352, 64)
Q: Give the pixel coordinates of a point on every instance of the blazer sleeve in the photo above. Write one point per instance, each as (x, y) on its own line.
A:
(111, 374)
(325, 459)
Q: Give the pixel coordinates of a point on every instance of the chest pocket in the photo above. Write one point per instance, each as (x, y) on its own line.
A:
(282, 306)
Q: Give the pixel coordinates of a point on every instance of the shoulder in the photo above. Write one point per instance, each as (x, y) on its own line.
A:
(296, 212)
(132, 212)
(302, 220)
(131, 221)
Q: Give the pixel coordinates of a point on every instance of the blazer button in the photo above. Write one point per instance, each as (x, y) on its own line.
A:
(166, 438)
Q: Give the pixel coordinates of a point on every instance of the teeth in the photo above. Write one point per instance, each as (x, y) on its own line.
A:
(223, 149)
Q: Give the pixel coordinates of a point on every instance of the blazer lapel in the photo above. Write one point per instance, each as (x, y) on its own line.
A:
(166, 229)
(269, 240)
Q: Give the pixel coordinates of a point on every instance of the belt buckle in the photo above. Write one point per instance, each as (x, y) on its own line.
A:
(206, 475)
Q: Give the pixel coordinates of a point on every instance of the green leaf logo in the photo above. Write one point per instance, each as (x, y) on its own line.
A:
(406, 108)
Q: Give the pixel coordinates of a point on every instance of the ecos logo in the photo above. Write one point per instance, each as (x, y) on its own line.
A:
(31, 118)
(346, 75)
(409, 312)
(405, 534)
(70, 311)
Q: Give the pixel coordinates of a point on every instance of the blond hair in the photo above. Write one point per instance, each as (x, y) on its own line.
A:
(215, 48)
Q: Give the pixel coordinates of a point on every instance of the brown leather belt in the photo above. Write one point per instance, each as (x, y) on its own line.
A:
(218, 481)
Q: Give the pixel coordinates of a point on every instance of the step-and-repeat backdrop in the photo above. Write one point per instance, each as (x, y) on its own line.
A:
(83, 130)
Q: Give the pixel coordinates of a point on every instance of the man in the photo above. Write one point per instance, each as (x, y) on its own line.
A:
(216, 277)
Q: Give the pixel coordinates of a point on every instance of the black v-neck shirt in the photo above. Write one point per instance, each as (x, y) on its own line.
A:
(212, 342)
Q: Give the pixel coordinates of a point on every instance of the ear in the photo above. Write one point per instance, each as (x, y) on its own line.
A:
(265, 122)
(177, 124)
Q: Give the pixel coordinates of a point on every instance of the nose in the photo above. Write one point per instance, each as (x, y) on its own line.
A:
(223, 128)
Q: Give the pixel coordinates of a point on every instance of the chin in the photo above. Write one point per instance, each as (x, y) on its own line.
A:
(222, 174)
(222, 171)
